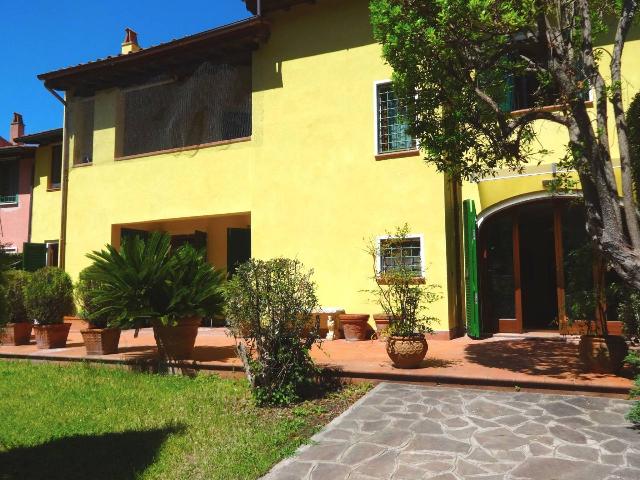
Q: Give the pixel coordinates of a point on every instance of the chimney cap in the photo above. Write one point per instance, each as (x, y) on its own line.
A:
(130, 44)
(17, 119)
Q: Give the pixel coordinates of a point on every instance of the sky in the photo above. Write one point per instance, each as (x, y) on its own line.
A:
(39, 36)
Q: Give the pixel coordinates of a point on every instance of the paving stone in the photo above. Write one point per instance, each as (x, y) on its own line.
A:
(464, 468)
(614, 446)
(389, 438)
(456, 422)
(336, 434)
(486, 409)
(562, 409)
(443, 476)
(574, 422)
(381, 466)
(499, 439)
(612, 459)
(608, 418)
(436, 443)
(534, 412)
(633, 460)
(293, 471)
(463, 433)
(322, 452)
(513, 420)
(539, 450)
(438, 467)
(531, 428)
(481, 455)
(401, 424)
(405, 472)
(625, 474)
(360, 452)
(375, 426)
(426, 426)
(542, 468)
(481, 422)
(568, 434)
(579, 452)
(330, 471)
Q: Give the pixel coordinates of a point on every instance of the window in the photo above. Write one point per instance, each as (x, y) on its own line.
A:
(82, 130)
(9, 181)
(11, 250)
(391, 126)
(212, 104)
(56, 167)
(52, 253)
(395, 252)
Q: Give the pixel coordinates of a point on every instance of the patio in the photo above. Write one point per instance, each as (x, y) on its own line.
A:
(534, 363)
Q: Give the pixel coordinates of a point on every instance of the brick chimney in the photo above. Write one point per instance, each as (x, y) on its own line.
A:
(16, 129)
(130, 44)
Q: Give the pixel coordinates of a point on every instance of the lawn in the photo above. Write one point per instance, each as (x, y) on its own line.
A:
(81, 421)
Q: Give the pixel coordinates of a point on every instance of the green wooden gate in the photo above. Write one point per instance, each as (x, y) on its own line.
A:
(34, 256)
(471, 270)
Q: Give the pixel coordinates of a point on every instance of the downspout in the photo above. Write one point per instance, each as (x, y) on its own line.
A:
(65, 180)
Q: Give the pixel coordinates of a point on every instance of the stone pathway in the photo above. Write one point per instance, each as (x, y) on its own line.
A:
(406, 432)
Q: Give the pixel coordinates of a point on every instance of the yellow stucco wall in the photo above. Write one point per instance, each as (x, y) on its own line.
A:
(308, 177)
(47, 205)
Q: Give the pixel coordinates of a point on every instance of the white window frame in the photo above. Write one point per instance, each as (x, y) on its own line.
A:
(10, 249)
(410, 236)
(376, 145)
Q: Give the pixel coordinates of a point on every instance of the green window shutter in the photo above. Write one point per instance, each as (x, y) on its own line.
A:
(34, 256)
(471, 269)
(508, 100)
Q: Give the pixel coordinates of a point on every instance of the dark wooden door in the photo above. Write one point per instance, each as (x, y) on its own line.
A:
(238, 247)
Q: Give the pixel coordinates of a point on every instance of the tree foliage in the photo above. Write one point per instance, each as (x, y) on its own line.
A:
(452, 60)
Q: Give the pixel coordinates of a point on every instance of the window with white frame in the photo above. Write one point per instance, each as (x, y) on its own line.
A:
(396, 252)
(391, 125)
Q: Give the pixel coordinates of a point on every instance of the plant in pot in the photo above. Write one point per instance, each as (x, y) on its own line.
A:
(15, 327)
(599, 351)
(99, 338)
(145, 282)
(404, 298)
(48, 297)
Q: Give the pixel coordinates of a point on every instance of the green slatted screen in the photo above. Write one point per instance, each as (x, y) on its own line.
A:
(34, 256)
(471, 269)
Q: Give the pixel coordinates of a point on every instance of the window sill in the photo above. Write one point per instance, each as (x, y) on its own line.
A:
(414, 281)
(8, 204)
(53, 189)
(549, 108)
(184, 149)
(79, 165)
(402, 154)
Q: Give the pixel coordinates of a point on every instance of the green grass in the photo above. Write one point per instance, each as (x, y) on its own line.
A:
(80, 421)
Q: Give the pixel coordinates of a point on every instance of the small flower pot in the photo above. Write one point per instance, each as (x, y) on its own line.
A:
(52, 336)
(383, 321)
(176, 342)
(101, 341)
(407, 352)
(355, 326)
(16, 334)
(603, 354)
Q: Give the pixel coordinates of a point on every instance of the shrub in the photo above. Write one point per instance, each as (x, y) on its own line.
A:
(147, 280)
(634, 414)
(269, 304)
(88, 309)
(16, 282)
(400, 292)
(48, 296)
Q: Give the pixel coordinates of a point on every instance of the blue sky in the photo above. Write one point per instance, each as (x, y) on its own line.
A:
(38, 36)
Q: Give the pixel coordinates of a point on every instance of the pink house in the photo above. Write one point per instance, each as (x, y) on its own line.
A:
(16, 175)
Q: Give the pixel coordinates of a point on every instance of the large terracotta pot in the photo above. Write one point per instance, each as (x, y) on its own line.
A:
(16, 333)
(383, 320)
(603, 354)
(407, 352)
(176, 342)
(52, 336)
(101, 341)
(355, 326)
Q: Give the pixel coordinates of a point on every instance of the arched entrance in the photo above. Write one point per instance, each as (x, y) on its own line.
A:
(525, 247)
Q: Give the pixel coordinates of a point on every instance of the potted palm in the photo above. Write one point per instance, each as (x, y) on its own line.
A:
(99, 338)
(15, 327)
(48, 297)
(148, 283)
(404, 298)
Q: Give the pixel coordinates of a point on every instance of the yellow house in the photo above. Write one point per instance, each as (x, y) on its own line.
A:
(278, 135)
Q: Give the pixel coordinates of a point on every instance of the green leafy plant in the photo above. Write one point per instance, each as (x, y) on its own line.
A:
(130, 284)
(48, 296)
(633, 359)
(85, 294)
(146, 280)
(269, 306)
(194, 288)
(400, 291)
(15, 283)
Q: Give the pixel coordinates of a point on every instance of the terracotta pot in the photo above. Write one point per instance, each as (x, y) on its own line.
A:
(16, 333)
(355, 326)
(101, 341)
(176, 343)
(382, 325)
(407, 352)
(52, 336)
(603, 354)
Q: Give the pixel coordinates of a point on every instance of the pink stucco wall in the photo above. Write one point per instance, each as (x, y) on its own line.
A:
(15, 220)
